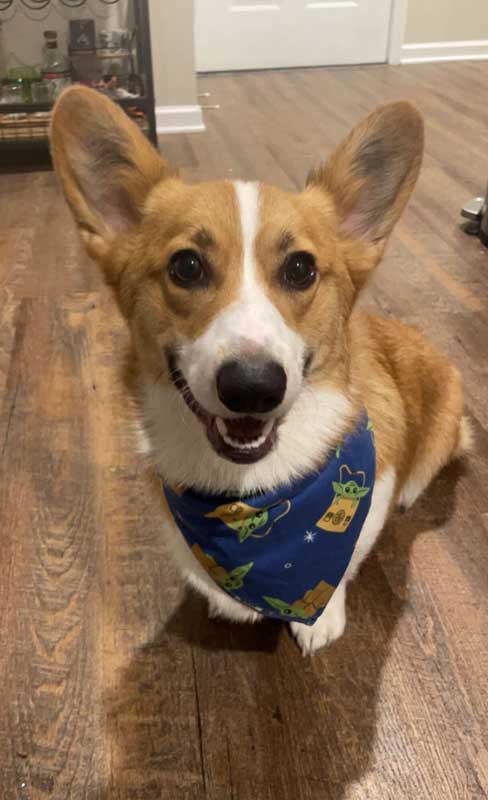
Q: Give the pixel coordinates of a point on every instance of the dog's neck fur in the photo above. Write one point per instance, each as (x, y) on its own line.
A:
(176, 442)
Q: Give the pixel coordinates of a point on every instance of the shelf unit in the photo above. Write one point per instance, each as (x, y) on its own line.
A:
(35, 150)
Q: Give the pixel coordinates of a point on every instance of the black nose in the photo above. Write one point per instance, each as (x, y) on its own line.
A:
(251, 386)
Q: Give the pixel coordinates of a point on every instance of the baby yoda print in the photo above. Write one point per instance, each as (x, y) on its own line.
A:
(230, 581)
(248, 521)
(305, 608)
(348, 492)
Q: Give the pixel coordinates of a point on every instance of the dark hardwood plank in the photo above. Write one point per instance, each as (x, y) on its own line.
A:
(49, 659)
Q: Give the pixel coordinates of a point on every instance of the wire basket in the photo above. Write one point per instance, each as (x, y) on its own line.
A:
(24, 127)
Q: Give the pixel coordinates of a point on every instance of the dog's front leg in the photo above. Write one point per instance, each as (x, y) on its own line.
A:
(221, 606)
(331, 624)
(220, 603)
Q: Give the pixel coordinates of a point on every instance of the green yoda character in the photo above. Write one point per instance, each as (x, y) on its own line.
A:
(230, 581)
(234, 580)
(286, 609)
(305, 607)
(350, 491)
(248, 521)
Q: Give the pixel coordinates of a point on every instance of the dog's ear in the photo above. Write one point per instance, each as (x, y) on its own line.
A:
(370, 178)
(106, 165)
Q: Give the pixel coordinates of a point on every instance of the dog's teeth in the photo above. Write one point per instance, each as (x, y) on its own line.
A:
(238, 445)
(244, 445)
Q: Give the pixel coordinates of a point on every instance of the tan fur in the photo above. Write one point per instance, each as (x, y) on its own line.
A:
(413, 395)
(344, 217)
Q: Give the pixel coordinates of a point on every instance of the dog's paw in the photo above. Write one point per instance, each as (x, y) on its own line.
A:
(328, 628)
(224, 608)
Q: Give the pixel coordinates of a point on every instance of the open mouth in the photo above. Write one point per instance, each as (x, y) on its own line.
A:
(243, 440)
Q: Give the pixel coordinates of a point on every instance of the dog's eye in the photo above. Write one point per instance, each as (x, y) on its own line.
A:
(186, 269)
(299, 271)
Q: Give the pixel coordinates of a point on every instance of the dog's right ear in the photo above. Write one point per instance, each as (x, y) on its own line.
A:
(106, 165)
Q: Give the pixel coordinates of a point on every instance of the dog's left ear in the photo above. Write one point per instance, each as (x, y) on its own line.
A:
(370, 177)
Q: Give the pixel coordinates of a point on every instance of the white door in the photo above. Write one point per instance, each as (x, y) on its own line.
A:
(266, 34)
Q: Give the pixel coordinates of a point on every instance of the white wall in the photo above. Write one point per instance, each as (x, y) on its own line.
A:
(446, 21)
(22, 39)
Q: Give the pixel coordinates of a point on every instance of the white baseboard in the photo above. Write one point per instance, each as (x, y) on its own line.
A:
(179, 119)
(444, 51)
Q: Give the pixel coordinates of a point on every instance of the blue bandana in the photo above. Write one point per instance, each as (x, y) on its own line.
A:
(285, 552)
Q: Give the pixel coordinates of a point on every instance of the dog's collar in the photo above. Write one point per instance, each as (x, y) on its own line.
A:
(283, 553)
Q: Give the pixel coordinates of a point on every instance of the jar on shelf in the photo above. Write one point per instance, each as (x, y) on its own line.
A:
(23, 77)
(12, 93)
(55, 67)
(41, 92)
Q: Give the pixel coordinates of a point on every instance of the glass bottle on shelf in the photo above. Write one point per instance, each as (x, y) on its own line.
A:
(55, 67)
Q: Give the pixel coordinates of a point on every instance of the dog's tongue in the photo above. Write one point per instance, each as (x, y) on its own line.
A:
(244, 428)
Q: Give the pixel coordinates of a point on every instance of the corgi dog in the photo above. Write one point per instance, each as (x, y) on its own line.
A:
(251, 361)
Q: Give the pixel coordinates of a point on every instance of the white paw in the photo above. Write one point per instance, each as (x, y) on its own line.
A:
(328, 628)
(223, 607)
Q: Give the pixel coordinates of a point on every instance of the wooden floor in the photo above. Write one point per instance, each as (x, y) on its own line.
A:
(113, 682)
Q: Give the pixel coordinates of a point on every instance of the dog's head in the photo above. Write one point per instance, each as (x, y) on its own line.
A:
(237, 295)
